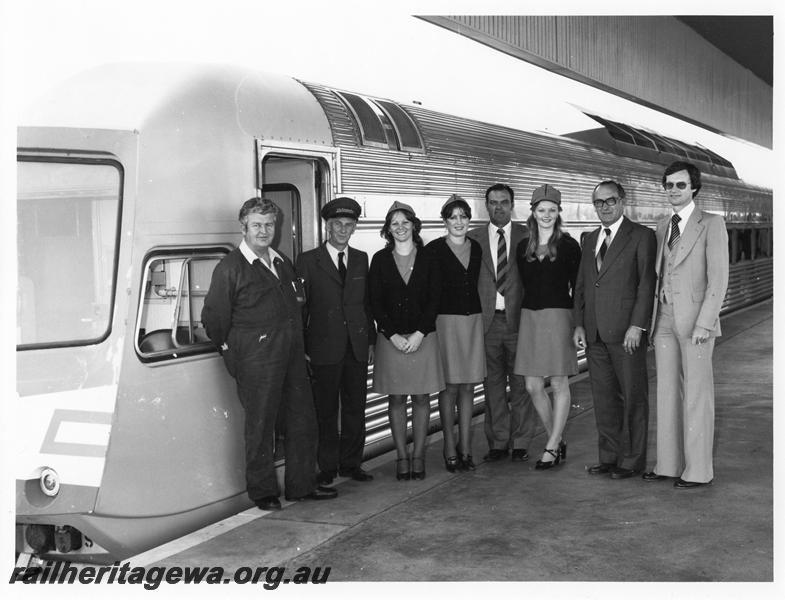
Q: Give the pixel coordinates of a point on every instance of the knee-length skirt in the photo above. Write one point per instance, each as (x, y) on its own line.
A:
(397, 373)
(461, 347)
(545, 343)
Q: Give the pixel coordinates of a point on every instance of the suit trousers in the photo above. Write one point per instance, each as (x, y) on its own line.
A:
(271, 375)
(620, 388)
(509, 419)
(343, 384)
(685, 402)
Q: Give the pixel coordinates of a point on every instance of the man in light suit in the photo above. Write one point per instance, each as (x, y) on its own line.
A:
(614, 295)
(339, 341)
(692, 278)
(509, 422)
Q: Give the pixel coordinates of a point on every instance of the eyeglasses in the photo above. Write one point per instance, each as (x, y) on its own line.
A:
(607, 202)
(682, 185)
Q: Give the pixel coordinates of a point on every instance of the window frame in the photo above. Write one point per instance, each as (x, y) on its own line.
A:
(105, 161)
(178, 352)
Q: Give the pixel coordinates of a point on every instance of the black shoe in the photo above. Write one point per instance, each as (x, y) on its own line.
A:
(418, 473)
(325, 477)
(601, 469)
(519, 455)
(452, 464)
(322, 492)
(547, 464)
(402, 472)
(563, 450)
(652, 476)
(358, 474)
(621, 473)
(467, 464)
(680, 483)
(268, 503)
(495, 454)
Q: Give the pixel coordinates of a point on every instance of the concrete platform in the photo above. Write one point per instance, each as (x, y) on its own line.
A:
(508, 522)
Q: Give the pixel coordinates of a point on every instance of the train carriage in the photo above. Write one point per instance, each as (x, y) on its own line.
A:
(129, 182)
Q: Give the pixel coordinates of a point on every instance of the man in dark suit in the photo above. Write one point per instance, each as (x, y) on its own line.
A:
(339, 340)
(252, 313)
(614, 295)
(509, 419)
(692, 278)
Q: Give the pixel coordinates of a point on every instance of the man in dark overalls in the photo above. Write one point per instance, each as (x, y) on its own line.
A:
(252, 313)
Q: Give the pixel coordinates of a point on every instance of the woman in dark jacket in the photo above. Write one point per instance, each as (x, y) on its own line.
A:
(404, 291)
(548, 264)
(460, 329)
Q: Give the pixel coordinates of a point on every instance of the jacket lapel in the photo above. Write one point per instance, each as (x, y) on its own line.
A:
(326, 264)
(689, 236)
(620, 240)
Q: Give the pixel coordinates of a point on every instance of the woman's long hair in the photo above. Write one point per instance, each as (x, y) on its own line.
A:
(387, 234)
(534, 237)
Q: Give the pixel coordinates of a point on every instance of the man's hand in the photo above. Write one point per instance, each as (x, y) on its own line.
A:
(632, 339)
(579, 337)
(700, 334)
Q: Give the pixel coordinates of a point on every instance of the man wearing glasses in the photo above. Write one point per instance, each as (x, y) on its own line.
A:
(614, 295)
(692, 278)
(339, 338)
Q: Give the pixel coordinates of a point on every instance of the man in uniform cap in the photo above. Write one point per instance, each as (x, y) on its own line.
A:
(339, 340)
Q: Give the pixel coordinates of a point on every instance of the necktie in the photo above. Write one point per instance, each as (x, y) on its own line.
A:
(603, 248)
(675, 234)
(341, 267)
(501, 263)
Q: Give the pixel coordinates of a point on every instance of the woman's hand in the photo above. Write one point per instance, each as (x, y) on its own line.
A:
(413, 342)
(400, 342)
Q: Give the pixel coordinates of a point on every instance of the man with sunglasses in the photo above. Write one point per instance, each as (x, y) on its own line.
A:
(692, 278)
(614, 295)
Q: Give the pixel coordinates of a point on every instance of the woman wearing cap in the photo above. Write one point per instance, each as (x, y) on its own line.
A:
(404, 289)
(548, 264)
(460, 329)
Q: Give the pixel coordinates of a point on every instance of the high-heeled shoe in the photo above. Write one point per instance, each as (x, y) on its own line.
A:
(547, 464)
(563, 450)
(466, 462)
(452, 464)
(418, 473)
(400, 474)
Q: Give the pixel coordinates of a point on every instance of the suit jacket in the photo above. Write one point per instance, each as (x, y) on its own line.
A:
(335, 314)
(700, 272)
(622, 292)
(487, 282)
(399, 307)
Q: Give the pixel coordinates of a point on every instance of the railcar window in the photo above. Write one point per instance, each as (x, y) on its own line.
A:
(408, 136)
(67, 238)
(371, 128)
(763, 243)
(173, 294)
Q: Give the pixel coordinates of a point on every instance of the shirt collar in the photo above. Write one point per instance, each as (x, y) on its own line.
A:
(333, 251)
(614, 227)
(494, 230)
(250, 255)
(686, 212)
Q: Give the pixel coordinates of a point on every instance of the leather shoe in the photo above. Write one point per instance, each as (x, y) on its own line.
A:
(268, 503)
(680, 483)
(652, 476)
(519, 455)
(600, 469)
(320, 493)
(495, 454)
(622, 473)
(325, 477)
(358, 474)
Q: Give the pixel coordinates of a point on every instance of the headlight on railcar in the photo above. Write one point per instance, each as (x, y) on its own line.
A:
(49, 481)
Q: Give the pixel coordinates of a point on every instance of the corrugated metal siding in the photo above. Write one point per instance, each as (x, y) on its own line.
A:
(465, 157)
(654, 59)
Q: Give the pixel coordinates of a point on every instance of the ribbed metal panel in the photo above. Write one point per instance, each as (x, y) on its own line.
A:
(656, 60)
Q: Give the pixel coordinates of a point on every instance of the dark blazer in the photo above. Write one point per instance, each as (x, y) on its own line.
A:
(622, 293)
(335, 314)
(404, 308)
(459, 294)
(549, 284)
(486, 285)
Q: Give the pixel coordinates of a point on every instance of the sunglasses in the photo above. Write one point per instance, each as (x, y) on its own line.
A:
(608, 202)
(682, 185)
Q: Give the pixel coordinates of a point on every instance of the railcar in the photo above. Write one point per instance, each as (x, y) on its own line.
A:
(129, 182)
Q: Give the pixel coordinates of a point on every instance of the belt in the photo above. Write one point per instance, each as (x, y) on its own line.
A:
(499, 311)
